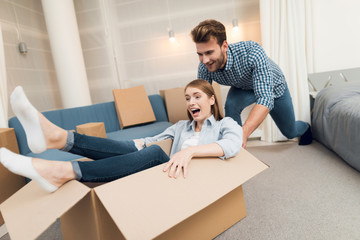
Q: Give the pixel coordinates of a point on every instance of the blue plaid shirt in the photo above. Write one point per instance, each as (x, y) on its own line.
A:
(249, 68)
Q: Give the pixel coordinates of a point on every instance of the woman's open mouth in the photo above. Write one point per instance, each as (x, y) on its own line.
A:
(195, 112)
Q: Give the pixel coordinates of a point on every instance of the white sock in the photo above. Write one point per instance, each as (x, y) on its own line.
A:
(29, 119)
(22, 165)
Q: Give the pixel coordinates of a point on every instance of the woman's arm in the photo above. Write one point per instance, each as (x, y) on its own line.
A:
(231, 137)
(180, 161)
(167, 133)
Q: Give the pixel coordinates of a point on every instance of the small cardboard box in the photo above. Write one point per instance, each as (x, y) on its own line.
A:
(145, 205)
(133, 106)
(9, 182)
(175, 103)
(95, 129)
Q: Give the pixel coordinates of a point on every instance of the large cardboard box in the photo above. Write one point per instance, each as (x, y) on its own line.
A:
(9, 182)
(146, 205)
(95, 129)
(133, 106)
(175, 103)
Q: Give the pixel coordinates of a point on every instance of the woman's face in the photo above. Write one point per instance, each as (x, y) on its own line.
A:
(198, 104)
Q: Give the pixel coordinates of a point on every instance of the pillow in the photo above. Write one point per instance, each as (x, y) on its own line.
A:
(133, 106)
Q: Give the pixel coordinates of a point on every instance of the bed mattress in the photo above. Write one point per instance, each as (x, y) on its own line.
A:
(336, 120)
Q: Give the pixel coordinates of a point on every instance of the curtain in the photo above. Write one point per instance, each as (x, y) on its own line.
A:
(286, 37)
(3, 86)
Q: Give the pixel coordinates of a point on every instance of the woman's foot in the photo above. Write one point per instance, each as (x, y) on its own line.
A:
(41, 134)
(49, 174)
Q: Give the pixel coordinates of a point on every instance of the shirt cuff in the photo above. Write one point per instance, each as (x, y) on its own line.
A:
(266, 102)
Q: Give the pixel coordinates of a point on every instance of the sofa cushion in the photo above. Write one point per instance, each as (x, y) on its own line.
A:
(139, 131)
(54, 154)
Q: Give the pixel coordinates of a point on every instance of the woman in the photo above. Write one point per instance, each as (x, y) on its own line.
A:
(206, 134)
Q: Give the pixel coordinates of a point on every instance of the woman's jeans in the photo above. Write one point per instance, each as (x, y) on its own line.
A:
(282, 113)
(113, 159)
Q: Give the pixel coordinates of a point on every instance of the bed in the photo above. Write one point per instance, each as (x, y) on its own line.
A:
(336, 118)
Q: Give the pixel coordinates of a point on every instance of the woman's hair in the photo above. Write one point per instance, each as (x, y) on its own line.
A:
(207, 29)
(206, 87)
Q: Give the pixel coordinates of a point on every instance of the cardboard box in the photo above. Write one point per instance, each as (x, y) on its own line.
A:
(145, 205)
(133, 106)
(95, 129)
(175, 103)
(9, 182)
(8, 139)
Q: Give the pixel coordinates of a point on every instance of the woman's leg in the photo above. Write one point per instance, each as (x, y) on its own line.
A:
(120, 166)
(97, 148)
(49, 174)
(43, 134)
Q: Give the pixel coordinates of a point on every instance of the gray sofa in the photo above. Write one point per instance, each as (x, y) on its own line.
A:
(102, 112)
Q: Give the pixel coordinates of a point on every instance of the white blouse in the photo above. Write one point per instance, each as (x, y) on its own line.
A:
(192, 141)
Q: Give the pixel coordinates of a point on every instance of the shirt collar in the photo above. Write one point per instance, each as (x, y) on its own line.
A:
(229, 60)
(209, 121)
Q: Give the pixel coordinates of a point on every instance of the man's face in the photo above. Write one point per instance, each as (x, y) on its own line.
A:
(212, 55)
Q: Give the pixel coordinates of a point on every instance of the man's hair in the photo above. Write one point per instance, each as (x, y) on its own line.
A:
(206, 87)
(207, 29)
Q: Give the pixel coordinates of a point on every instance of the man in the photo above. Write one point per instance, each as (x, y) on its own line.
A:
(253, 77)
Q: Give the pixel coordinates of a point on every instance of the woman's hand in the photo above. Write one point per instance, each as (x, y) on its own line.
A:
(178, 163)
(139, 144)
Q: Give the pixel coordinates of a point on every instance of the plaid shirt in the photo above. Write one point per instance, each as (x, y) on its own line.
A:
(249, 68)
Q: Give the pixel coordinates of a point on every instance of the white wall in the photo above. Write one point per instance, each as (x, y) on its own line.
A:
(135, 34)
(24, 21)
(336, 34)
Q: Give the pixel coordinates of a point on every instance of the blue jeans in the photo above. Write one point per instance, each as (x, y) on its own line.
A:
(282, 113)
(113, 159)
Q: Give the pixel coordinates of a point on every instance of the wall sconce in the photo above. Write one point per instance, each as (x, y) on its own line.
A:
(171, 36)
(23, 48)
(235, 25)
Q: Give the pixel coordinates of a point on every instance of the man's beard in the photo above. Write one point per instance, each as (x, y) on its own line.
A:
(219, 62)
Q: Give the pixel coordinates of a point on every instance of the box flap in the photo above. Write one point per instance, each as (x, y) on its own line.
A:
(31, 204)
(148, 203)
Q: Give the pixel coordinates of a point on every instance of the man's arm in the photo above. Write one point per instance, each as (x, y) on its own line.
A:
(256, 117)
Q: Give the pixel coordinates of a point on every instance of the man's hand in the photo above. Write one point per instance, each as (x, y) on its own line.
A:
(246, 134)
(255, 118)
(179, 163)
